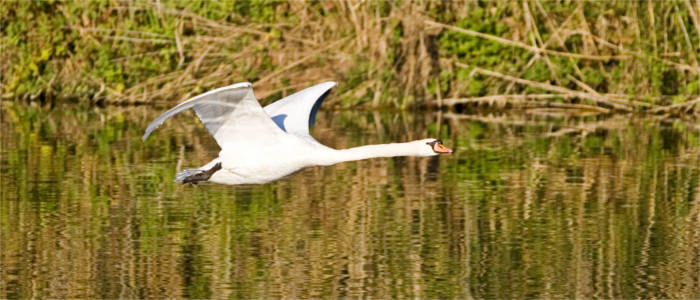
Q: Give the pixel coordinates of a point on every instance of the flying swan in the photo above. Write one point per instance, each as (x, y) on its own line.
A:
(260, 145)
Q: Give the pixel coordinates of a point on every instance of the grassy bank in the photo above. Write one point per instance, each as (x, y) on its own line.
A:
(604, 56)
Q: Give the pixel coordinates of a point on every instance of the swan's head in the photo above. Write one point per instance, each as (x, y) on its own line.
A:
(430, 147)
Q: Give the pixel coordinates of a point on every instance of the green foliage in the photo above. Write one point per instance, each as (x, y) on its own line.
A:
(646, 74)
(123, 51)
(692, 88)
(356, 76)
(476, 51)
(93, 45)
(593, 77)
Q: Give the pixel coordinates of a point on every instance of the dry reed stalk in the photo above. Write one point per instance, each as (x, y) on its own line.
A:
(110, 30)
(553, 88)
(650, 8)
(219, 35)
(679, 66)
(150, 53)
(625, 100)
(556, 30)
(298, 62)
(694, 58)
(525, 46)
(582, 85)
(556, 34)
(537, 39)
(668, 108)
(693, 16)
(540, 104)
(138, 40)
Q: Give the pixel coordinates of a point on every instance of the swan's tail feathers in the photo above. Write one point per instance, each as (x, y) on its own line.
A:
(195, 176)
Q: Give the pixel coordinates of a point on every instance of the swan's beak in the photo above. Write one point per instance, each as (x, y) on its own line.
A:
(440, 148)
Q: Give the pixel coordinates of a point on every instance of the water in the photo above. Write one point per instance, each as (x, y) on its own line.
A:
(530, 205)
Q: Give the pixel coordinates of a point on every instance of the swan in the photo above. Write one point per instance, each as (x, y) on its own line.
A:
(260, 145)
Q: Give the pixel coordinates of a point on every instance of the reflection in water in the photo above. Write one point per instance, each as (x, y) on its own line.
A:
(528, 206)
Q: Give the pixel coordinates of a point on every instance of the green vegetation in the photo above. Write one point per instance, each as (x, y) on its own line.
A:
(610, 55)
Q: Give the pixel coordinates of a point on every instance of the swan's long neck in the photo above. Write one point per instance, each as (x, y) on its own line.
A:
(370, 151)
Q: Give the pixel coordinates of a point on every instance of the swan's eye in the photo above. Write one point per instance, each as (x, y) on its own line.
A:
(437, 146)
(432, 144)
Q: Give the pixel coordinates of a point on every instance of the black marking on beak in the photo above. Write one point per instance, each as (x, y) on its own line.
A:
(440, 147)
(432, 144)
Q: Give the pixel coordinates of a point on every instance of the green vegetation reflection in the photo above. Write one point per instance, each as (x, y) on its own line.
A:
(529, 205)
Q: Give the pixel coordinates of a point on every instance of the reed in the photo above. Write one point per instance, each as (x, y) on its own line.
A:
(384, 53)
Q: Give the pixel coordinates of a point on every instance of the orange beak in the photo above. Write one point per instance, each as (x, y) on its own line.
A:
(439, 148)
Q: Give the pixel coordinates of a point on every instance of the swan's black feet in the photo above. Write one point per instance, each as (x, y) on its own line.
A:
(195, 176)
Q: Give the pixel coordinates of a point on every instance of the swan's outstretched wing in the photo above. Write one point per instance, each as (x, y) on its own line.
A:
(230, 114)
(295, 113)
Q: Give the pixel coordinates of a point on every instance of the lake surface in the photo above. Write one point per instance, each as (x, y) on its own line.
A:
(535, 204)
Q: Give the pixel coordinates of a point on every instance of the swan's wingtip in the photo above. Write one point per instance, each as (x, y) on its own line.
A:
(241, 84)
(146, 135)
(325, 84)
(148, 131)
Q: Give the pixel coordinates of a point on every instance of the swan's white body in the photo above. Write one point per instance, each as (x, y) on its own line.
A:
(262, 145)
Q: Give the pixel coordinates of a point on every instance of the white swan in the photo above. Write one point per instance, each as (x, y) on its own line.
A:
(262, 145)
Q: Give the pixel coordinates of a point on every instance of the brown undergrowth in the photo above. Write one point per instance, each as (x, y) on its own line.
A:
(607, 57)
